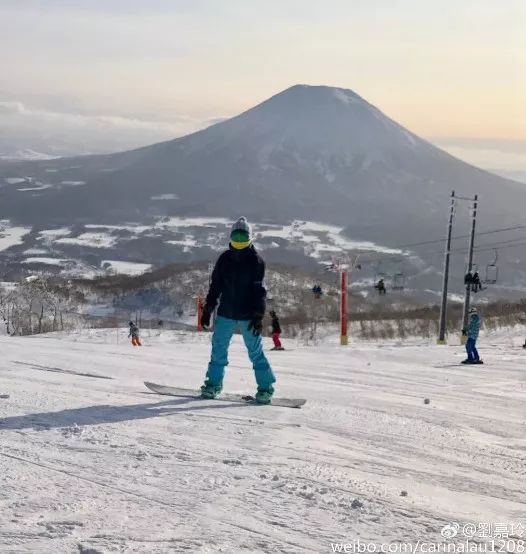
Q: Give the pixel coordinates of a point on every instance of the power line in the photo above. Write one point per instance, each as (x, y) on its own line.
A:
(455, 251)
(378, 258)
(483, 247)
(457, 237)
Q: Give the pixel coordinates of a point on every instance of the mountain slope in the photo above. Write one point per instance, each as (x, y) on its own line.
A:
(103, 467)
(310, 152)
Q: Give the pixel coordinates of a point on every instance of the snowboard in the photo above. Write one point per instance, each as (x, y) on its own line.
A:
(225, 397)
(446, 365)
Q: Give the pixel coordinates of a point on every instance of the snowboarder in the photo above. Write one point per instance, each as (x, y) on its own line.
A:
(134, 334)
(237, 282)
(473, 333)
(381, 287)
(276, 331)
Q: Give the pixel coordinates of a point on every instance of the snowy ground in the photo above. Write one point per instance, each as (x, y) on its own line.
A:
(90, 461)
(319, 241)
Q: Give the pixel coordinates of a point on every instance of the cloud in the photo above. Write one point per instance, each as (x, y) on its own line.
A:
(488, 153)
(487, 143)
(11, 107)
(179, 125)
(67, 133)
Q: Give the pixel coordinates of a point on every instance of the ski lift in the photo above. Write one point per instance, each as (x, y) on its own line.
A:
(472, 279)
(379, 274)
(379, 279)
(295, 230)
(317, 291)
(398, 281)
(492, 271)
(354, 263)
(398, 278)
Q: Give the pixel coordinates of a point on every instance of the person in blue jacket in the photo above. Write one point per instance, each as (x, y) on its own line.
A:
(473, 334)
(237, 283)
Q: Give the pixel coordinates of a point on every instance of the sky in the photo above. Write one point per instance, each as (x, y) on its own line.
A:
(110, 74)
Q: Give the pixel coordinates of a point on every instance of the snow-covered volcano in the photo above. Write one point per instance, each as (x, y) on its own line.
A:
(310, 152)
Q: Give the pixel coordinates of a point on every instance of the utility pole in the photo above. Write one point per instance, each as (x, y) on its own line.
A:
(467, 296)
(443, 308)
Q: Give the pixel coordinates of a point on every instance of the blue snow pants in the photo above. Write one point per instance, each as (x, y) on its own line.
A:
(473, 355)
(224, 328)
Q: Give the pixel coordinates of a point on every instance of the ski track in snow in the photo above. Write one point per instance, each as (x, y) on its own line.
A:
(95, 465)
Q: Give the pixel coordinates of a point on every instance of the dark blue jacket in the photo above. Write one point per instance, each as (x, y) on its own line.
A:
(237, 282)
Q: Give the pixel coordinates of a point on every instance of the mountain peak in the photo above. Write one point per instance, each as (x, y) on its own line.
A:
(320, 119)
(319, 93)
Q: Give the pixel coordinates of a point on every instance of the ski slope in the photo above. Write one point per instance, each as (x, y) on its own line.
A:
(91, 462)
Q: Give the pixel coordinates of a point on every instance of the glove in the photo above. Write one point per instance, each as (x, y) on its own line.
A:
(205, 317)
(256, 326)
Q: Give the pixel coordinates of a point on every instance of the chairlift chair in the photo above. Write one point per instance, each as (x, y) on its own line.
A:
(472, 279)
(379, 274)
(492, 274)
(474, 269)
(492, 271)
(398, 281)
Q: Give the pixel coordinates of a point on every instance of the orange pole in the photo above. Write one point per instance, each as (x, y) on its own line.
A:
(343, 310)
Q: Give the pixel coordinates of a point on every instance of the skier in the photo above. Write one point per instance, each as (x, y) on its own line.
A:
(276, 331)
(473, 333)
(316, 289)
(134, 334)
(237, 282)
(381, 287)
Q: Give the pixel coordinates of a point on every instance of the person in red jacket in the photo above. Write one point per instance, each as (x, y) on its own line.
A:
(276, 331)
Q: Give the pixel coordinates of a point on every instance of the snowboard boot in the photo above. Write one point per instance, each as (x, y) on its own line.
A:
(209, 390)
(264, 395)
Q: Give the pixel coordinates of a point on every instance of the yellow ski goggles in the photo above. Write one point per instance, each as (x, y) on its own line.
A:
(239, 239)
(240, 245)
